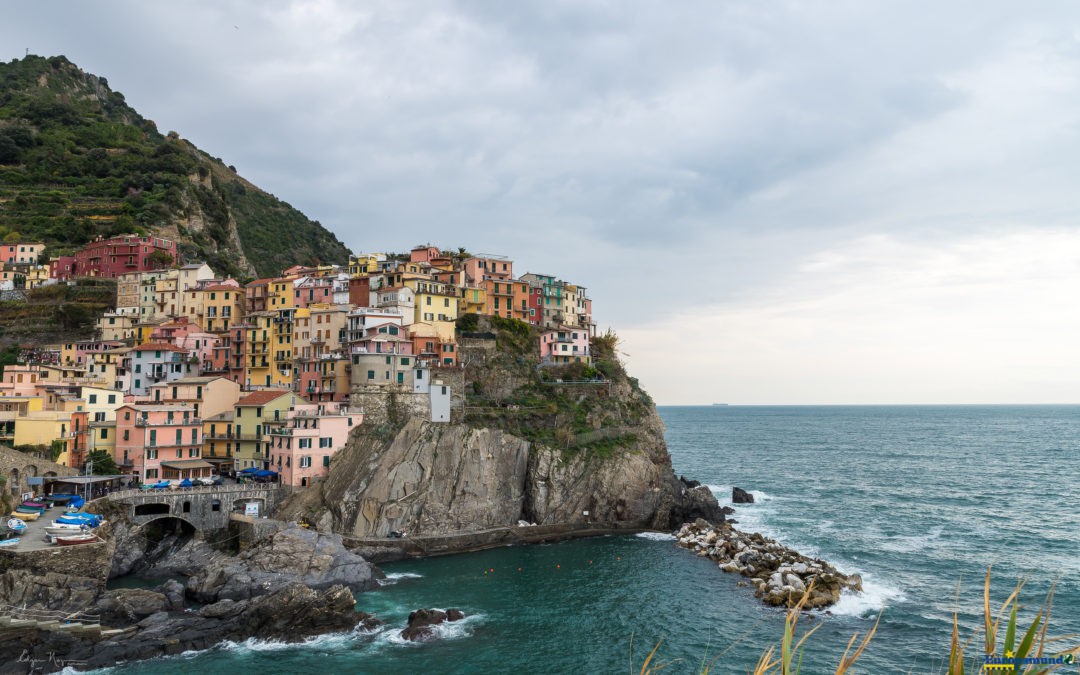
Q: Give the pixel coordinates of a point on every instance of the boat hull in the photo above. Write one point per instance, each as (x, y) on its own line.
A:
(76, 539)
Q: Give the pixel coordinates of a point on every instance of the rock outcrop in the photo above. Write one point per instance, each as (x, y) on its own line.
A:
(290, 614)
(437, 479)
(781, 576)
(741, 496)
(422, 623)
(288, 556)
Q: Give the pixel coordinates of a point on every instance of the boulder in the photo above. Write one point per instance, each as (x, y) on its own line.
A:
(290, 555)
(422, 623)
(125, 606)
(741, 496)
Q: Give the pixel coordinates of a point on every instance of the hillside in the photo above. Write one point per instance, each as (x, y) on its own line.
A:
(76, 161)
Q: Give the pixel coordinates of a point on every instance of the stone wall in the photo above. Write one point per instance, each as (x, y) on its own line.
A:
(16, 466)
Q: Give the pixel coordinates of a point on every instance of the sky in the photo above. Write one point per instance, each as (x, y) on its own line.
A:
(789, 202)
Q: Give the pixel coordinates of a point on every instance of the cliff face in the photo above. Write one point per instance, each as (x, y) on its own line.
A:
(537, 450)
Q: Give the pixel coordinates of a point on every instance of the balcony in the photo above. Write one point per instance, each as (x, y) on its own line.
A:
(187, 421)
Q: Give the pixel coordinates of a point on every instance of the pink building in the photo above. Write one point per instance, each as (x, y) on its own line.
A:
(187, 336)
(155, 442)
(424, 254)
(20, 380)
(24, 252)
(113, 257)
(311, 290)
(480, 269)
(301, 450)
(565, 344)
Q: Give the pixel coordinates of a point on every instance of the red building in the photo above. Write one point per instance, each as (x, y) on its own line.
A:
(113, 257)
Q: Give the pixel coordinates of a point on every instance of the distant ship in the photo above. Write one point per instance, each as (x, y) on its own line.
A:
(719, 403)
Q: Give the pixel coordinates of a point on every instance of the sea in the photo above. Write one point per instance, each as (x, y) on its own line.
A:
(919, 500)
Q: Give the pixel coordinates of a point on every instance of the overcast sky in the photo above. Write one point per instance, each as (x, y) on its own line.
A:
(771, 202)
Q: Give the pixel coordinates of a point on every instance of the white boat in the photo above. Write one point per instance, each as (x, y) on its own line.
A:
(56, 525)
(63, 531)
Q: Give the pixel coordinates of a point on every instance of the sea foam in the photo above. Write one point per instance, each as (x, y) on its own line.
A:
(656, 536)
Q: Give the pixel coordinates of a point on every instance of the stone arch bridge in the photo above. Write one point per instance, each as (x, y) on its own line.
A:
(205, 508)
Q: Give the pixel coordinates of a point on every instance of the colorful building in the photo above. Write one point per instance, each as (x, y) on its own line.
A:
(115, 256)
(302, 448)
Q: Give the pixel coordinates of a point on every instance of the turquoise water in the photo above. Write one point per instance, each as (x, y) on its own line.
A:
(915, 498)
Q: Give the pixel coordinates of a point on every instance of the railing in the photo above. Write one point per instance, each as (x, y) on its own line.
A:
(187, 421)
(195, 489)
(34, 614)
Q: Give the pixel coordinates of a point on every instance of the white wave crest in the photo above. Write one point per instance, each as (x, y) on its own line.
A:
(395, 577)
(873, 598)
(656, 536)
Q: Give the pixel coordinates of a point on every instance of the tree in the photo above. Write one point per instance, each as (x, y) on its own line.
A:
(159, 259)
(103, 464)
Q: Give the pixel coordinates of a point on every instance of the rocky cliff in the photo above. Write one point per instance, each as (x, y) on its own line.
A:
(525, 445)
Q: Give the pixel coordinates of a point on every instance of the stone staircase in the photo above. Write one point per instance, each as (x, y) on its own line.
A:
(16, 618)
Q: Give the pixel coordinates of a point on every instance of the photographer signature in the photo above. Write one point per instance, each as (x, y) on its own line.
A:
(51, 660)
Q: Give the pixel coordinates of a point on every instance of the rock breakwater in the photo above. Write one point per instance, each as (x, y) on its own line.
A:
(780, 575)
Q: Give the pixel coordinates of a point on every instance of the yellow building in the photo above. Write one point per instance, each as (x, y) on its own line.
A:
(473, 300)
(219, 440)
(256, 416)
(257, 349)
(215, 307)
(11, 409)
(436, 304)
(365, 263)
(37, 276)
(281, 349)
(113, 326)
(280, 294)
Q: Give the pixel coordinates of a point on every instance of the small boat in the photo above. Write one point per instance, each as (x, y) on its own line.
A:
(16, 524)
(29, 509)
(64, 529)
(9, 542)
(79, 519)
(73, 539)
(25, 516)
(35, 505)
(60, 497)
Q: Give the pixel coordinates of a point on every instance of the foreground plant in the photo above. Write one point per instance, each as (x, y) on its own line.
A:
(1030, 655)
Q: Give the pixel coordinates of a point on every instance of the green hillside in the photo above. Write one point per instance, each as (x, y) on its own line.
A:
(76, 161)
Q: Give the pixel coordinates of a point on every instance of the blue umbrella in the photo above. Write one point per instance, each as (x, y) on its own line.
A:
(265, 473)
(250, 469)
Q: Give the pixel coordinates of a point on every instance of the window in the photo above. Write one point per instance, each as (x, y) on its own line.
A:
(305, 462)
(92, 398)
(304, 443)
(401, 378)
(153, 437)
(326, 460)
(112, 398)
(151, 453)
(326, 442)
(179, 436)
(404, 361)
(104, 433)
(194, 435)
(127, 416)
(127, 435)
